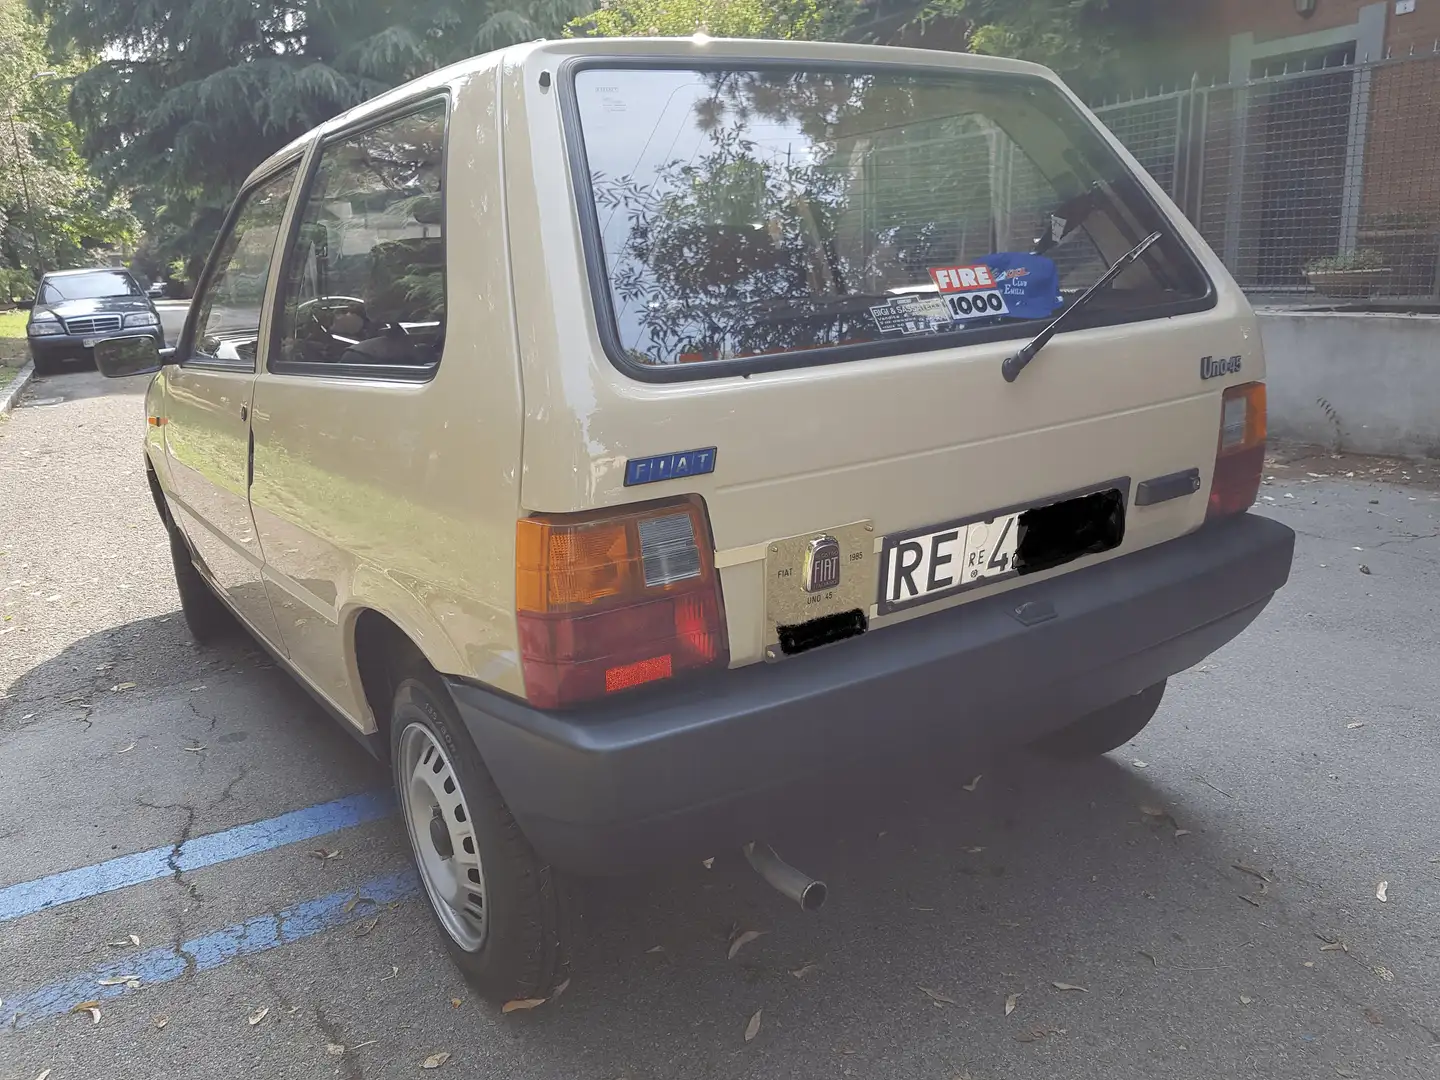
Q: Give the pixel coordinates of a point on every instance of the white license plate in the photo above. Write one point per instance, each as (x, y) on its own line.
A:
(89, 342)
(921, 566)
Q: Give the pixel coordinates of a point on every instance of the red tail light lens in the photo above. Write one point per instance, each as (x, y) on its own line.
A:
(1240, 455)
(610, 601)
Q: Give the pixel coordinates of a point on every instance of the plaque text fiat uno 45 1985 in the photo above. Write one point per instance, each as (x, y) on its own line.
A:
(626, 438)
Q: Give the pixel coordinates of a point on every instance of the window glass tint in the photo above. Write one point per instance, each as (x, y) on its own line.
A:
(366, 281)
(743, 213)
(94, 286)
(227, 325)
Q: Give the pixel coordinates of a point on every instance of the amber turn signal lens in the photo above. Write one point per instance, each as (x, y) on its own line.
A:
(1240, 451)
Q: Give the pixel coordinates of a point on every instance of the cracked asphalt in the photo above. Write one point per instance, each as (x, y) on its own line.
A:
(1192, 897)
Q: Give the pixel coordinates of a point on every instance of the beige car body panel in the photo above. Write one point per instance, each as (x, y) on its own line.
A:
(402, 498)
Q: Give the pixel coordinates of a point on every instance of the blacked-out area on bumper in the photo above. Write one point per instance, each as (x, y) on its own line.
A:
(58, 347)
(687, 770)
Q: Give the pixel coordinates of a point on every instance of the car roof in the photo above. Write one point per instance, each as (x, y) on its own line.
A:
(85, 270)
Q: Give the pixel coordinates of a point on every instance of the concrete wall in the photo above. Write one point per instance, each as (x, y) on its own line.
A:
(1367, 383)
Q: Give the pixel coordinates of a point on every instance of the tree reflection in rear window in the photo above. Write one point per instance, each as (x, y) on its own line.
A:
(750, 213)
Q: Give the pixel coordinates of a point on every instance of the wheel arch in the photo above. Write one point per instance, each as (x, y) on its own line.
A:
(383, 655)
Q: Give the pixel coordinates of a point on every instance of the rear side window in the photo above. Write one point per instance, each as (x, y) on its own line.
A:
(739, 214)
(365, 280)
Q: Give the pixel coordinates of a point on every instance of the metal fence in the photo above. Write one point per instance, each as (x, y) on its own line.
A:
(1316, 185)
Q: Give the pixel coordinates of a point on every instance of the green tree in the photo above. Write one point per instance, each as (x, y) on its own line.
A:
(192, 94)
(794, 19)
(1089, 43)
(52, 210)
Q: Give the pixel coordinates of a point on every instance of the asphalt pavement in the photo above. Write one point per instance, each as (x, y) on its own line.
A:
(201, 876)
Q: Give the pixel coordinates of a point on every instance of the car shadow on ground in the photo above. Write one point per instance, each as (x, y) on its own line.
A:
(952, 887)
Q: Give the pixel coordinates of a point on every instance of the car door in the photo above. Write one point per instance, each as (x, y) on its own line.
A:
(342, 437)
(207, 428)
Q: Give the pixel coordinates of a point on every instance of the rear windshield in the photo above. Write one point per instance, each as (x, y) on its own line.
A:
(754, 213)
(94, 286)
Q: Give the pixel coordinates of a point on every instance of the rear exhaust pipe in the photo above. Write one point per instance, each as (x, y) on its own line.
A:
(800, 887)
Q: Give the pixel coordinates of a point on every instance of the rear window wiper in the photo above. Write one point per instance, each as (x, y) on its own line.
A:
(1015, 364)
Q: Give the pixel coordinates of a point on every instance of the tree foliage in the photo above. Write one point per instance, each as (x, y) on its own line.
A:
(1081, 40)
(52, 210)
(192, 94)
(792, 19)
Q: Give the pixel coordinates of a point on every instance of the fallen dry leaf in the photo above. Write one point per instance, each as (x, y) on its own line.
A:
(1011, 1000)
(1335, 946)
(1380, 891)
(742, 940)
(434, 1061)
(194, 749)
(135, 940)
(1181, 832)
(804, 970)
(555, 994)
(1038, 1033)
(521, 1004)
(1252, 871)
(323, 855)
(159, 1021)
(708, 863)
(394, 971)
(753, 1027)
(92, 1007)
(258, 1015)
(1364, 569)
(1383, 972)
(355, 901)
(366, 928)
(973, 850)
(455, 1003)
(124, 686)
(43, 1074)
(1249, 900)
(334, 1049)
(132, 981)
(973, 784)
(1356, 724)
(1309, 963)
(1150, 957)
(937, 997)
(126, 750)
(1068, 986)
(1141, 764)
(656, 949)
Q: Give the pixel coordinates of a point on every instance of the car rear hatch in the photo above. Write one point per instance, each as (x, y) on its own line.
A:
(786, 312)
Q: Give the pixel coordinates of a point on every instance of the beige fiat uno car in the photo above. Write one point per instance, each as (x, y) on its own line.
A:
(628, 438)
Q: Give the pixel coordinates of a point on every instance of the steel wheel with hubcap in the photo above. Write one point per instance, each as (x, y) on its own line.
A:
(442, 835)
(505, 912)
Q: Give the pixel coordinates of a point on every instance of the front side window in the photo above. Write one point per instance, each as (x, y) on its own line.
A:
(746, 213)
(92, 286)
(366, 278)
(227, 321)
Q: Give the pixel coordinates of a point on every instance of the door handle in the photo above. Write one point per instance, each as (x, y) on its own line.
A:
(244, 412)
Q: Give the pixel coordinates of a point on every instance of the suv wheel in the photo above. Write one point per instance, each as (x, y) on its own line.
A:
(206, 615)
(1105, 729)
(504, 912)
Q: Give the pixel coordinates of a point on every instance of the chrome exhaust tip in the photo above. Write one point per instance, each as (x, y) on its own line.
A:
(800, 887)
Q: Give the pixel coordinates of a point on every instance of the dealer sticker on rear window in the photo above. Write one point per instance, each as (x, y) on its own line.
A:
(911, 315)
(970, 291)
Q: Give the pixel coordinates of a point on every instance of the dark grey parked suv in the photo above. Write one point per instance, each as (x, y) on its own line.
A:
(75, 308)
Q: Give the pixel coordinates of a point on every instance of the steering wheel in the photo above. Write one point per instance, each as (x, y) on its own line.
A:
(321, 312)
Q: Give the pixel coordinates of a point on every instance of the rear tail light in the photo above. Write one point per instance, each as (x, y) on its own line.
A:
(1240, 455)
(614, 600)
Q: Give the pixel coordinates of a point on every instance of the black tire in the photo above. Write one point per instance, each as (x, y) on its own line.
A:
(525, 948)
(205, 614)
(1105, 729)
(45, 365)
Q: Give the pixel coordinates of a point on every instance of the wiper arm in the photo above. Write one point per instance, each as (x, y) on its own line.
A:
(1015, 364)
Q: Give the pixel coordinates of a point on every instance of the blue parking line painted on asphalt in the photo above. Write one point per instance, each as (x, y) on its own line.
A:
(165, 964)
(28, 897)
